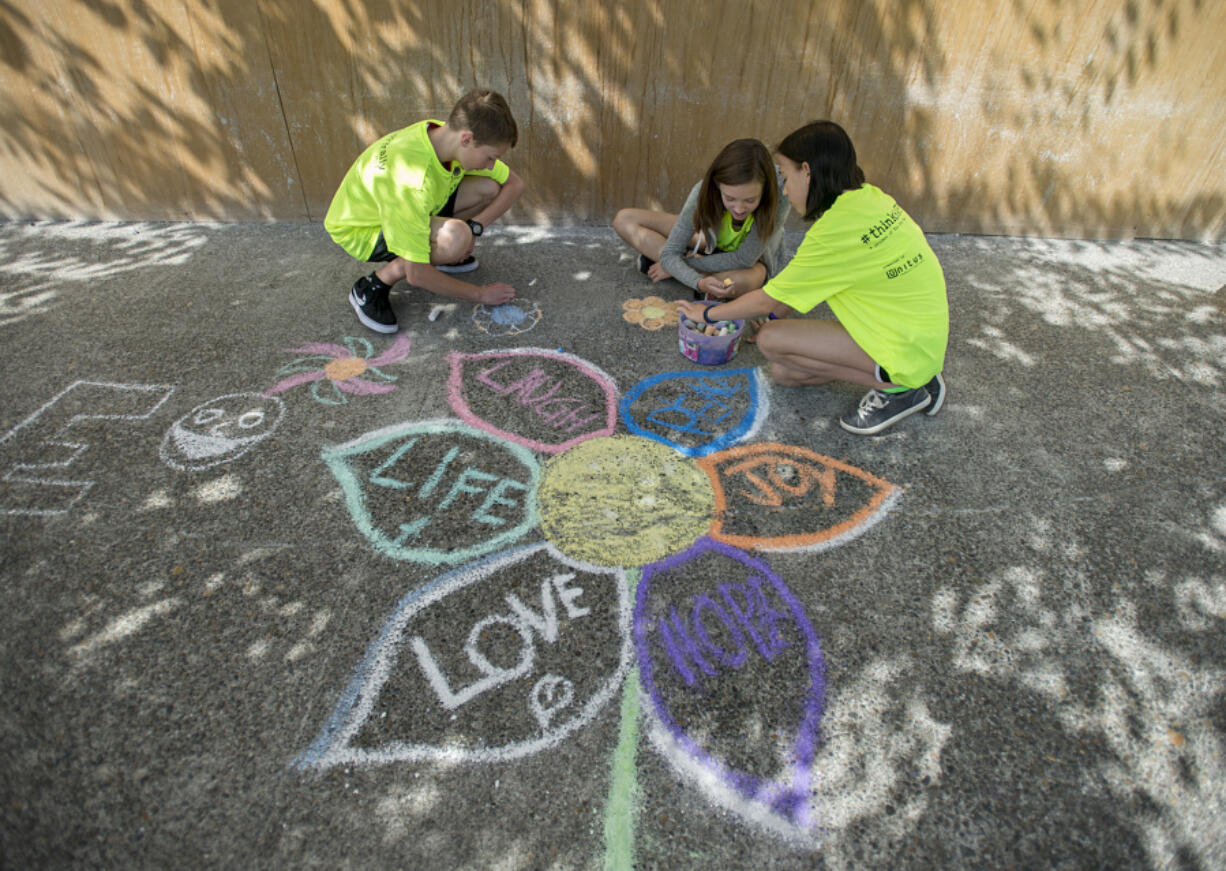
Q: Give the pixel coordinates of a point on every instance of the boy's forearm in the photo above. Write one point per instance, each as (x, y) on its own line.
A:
(506, 197)
(426, 276)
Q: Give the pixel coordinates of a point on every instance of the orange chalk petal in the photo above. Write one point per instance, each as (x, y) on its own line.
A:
(633, 317)
(632, 304)
(798, 499)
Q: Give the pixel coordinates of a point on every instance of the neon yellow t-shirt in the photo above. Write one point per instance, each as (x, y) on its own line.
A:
(394, 187)
(729, 239)
(870, 262)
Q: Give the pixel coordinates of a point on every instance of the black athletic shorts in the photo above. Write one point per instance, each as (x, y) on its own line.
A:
(382, 255)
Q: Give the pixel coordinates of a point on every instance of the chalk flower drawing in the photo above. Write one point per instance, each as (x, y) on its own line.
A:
(509, 319)
(710, 621)
(335, 370)
(650, 313)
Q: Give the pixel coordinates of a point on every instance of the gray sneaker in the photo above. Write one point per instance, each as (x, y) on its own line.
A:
(468, 264)
(936, 389)
(879, 410)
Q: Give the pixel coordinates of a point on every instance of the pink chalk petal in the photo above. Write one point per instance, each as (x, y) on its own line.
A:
(328, 348)
(397, 352)
(363, 387)
(294, 381)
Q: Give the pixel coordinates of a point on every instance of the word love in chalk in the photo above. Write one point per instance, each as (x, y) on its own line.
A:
(534, 665)
(543, 400)
(524, 622)
(697, 413)
(436, 492)
(734, 675)
(781, 497)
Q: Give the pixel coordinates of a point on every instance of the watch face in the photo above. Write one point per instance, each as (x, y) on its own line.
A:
(476, 227)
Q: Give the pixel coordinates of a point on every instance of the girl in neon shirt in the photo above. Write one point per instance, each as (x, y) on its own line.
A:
(867, 259)
(728, 236)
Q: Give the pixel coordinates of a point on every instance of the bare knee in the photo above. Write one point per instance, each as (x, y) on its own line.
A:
(623, 222)
(768, 333)
(453, 242)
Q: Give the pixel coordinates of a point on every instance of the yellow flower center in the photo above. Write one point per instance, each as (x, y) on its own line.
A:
(344, 368)
(650, 311)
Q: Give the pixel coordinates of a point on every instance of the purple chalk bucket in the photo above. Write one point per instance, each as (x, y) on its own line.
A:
(709, 350)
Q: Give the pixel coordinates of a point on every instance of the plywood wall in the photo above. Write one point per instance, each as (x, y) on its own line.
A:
(1033, 117)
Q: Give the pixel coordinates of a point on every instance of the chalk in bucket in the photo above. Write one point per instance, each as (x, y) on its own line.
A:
(709, 344)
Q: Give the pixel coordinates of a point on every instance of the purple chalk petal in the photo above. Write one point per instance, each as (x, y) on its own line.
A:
(294, 381)
(397, 352)
(791, 800)
(362, 387)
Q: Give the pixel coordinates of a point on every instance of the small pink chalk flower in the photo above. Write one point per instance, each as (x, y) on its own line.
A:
(334, 370)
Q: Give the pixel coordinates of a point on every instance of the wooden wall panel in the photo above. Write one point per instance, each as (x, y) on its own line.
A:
(1036, 117)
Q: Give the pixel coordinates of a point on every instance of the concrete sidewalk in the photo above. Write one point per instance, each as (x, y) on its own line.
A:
(520, 588)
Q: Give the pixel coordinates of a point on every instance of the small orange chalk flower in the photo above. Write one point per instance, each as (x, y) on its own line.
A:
(651, 312)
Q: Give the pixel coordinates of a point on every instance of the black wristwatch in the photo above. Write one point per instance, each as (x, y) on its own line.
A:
(476, 227)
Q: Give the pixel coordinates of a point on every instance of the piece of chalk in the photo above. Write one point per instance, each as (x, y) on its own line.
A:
(433, 316)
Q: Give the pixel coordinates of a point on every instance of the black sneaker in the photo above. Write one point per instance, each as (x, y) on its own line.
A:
(370, 301)
(879, 409)
(643, 263)
(936, 389)
(468, 264)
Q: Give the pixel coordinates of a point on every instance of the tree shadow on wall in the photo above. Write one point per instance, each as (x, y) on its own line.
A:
(254, 111)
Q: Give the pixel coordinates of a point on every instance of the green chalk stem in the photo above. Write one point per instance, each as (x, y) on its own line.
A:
(622, 805)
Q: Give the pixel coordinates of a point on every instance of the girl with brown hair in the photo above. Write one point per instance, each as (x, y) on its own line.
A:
(728, 236)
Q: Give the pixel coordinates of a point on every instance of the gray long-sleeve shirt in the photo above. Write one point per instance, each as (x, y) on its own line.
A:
(751, 250)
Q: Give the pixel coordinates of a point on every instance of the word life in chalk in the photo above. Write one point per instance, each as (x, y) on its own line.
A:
(533, 664)
(45, 480)
(436, 492)
(717, 633)
(697, 413)
(544, 400)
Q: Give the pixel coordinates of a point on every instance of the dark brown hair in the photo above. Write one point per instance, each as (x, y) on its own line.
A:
(487, 115)
(827, 148)
(739, 162)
